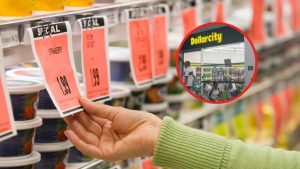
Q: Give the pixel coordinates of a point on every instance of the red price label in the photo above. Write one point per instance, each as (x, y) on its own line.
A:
(94, 58)
(140, 45)
(7, 128)
(147, 164)
(280, 29)
(257, 28)
(52, 48)
(220, 11)
(189, 19)
(295, 15)
(161, 57)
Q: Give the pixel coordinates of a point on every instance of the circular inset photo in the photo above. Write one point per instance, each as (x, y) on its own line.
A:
(216, 63)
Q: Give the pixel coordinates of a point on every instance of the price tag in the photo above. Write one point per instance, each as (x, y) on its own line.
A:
(280, 29)
(52, 48)
(219, 11)
(188, 16)
(295, 15)
(10, 37)
(140, 45)
(7, 127)
(147, 164)
(257, 27)
(161, 56)
(95, 66)
(112, 17)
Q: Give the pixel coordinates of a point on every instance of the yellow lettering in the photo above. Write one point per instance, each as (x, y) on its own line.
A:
(192, 41)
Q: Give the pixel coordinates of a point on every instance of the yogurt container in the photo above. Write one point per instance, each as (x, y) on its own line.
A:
(175, 87)
(34, 73)
(137, 97)
(23, 95)
(119, 96)
(75, 156)
(160, 109)
(31, 73)
(175, 103)
(158, 91)
(52, 155)
(24, 163)
(20, 146)
(53, 128)
(120, 64)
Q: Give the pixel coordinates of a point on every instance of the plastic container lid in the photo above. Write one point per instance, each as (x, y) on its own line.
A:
(155, 107)
(23, 86)
(175, 98)
(35, 157)
(48, 114)
(119, 54)
(31, 73)
(52, 147)
(164, 80)
(26, 73)
(119, 92)
(29, 124)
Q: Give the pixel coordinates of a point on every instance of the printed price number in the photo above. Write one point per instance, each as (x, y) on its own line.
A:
(142, 63)
(64, 85)
(95, 77)
(90, 41)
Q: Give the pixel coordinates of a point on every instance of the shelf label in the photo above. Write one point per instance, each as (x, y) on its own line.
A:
(280, 29)
(161, 55)
(295, 15)
(257, 27)
(112, 17)
(138, 25)
(52, 49)
(219, 11)
(95, 64)
(188, 16)
(7, 126)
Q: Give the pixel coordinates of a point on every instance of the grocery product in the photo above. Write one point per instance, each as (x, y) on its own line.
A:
(175, 103)
(158, 91)
(75, 156)
(15, 8)
(24, 163)
(53, 128)
(78, 3)
(120, 64)
(137, 97)
(174, 86)
(52, 155)
(159, 109)
(20, 146)
(48, 5)
(119, 96)
(23, 94)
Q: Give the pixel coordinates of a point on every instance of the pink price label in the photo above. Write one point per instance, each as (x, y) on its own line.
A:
(188, 18)
(140, 44)
(55, 60)
(95, 62)
(160, 46)
(6, 128)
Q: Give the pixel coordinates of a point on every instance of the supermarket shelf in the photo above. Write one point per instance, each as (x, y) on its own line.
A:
(95, 8)
(188, 117)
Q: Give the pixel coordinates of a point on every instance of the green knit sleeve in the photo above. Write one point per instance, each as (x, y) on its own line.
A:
(180, 147)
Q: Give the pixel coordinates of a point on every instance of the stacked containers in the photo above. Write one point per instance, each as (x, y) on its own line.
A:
(155, 101)
(18, 150)
(51, 133)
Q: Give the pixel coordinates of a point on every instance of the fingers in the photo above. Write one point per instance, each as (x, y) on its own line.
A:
(99, 110)
(85, 148)
(81, 132)
(90, 125)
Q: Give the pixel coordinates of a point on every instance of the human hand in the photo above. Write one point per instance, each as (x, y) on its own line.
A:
(113, 133)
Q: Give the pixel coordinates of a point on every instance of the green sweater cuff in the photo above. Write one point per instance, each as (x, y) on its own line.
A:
(180, 147)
